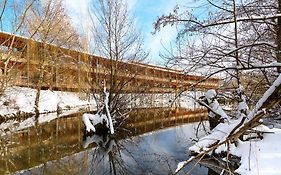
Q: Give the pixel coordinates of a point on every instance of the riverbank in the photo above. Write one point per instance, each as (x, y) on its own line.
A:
(260, 154)
(20, 101)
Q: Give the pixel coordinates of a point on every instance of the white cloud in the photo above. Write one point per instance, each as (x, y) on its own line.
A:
(131, 4)
(163, 39)
(78, 10)
(78, 6)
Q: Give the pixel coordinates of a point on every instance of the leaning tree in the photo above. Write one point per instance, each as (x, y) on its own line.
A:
(230, 39)
(239, 41)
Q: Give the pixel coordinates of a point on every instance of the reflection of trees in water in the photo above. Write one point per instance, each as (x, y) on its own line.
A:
(106, 158)
(4, 152)
(111, 156)
(123, 157)
(147, 159)
(74, 164)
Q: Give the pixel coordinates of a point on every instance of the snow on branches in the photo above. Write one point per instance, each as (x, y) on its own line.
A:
(225, 134)
(103, 117)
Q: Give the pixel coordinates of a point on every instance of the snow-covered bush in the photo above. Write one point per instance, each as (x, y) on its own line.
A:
(103, 117)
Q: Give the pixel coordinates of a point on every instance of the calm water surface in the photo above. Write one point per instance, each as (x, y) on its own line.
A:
(60, 147)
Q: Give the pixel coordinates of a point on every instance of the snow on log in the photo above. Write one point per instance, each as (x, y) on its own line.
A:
(223, 131)
(90, 120)
(214, 105)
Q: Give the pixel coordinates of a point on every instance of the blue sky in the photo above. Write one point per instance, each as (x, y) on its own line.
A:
(7, 17)
(145, 13)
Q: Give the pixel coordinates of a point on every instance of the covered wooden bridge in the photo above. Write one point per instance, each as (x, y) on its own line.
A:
(24, 61)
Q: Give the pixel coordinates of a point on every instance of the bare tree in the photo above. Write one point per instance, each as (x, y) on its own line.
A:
(14, 19)
(278, 33)
(232, 30)
(48, 23)
(117, 39)
(232, 37)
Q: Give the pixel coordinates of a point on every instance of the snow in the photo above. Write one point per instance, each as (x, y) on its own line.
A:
(218, 134)
(243, 108)
(20, 99)
(210, 95)
(260, 156)
(13, 125)
(180, 165)
(214, 105)
(273, 64)
(257, 156)
(244, 18)
(90, 120)
(107, 112)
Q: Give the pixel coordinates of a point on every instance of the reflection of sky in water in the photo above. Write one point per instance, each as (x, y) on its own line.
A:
(154, 153)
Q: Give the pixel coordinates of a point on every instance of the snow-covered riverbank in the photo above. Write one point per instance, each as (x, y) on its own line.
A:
(260, 156)
(260, 151)
(17, 100)
(257, 156)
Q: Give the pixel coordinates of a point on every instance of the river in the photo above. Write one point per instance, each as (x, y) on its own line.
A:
(60, 147)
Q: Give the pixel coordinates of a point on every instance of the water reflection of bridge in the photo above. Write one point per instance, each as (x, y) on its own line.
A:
(62, 138)
(144, 120)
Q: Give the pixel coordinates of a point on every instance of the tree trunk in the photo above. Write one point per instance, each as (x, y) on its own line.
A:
(214, 121)
(38, 90)
(279, 36)
(36, 104)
